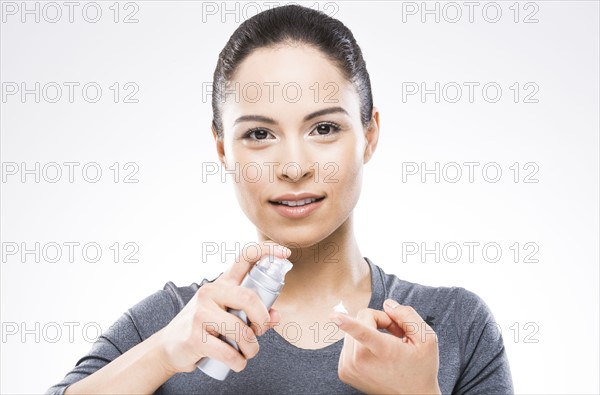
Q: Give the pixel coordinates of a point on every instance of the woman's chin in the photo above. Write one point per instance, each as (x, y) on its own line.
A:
(295, 239)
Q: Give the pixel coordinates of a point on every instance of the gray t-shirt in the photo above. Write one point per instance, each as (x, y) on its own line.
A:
(473, 359)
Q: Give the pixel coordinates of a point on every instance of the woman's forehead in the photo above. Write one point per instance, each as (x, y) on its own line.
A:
(286, 64)
(288, 79)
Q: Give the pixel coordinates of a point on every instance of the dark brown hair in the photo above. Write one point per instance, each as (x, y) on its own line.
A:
(294, 24)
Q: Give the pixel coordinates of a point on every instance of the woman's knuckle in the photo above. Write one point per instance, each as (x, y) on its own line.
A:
(410, 310)
(362, 337)
(259, 326)
(347, 375)
(250, 336)
(360, 356)
(246, 296)
(363, 313)
(343, 375)
(252, 350)
(202, 292)
(230, 355)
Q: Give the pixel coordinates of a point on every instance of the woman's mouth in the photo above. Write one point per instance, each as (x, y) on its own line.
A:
(297, 208)
(301, 202)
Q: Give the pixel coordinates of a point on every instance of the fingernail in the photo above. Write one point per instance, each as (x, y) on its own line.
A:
(392, 304)
(336, 319)
(285, 250)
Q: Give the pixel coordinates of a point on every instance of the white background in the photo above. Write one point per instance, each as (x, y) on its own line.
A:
(172, 51)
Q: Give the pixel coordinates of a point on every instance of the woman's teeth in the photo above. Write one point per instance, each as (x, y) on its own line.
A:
(294, 203)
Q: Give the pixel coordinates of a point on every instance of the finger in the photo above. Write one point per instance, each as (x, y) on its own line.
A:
(407, 319)
(365, 334)
(250, 254)
(234, 329)
(346, 353)
(274, 316)
(384, 321)
(379, 320)
(365, 317)
(246, 300)
(214, 347)
(348, 344)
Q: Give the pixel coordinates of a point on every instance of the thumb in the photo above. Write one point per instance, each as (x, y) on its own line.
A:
(250, 254)
(406, 318)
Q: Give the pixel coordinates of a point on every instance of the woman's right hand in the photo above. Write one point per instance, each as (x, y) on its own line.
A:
(193, 333)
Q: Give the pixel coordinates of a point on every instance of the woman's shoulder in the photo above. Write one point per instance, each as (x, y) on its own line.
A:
(442, 301)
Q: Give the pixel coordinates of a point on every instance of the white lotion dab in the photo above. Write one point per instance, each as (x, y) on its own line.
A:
(340, 308)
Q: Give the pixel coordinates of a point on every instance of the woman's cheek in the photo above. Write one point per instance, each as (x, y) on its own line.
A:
(250, 191)
(352, 183)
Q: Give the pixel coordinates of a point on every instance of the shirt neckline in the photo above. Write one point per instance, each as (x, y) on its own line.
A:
(376, 302)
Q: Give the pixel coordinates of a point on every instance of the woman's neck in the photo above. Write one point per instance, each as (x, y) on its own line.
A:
(331, 270)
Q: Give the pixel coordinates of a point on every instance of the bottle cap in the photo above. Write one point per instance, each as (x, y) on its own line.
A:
(274, 267)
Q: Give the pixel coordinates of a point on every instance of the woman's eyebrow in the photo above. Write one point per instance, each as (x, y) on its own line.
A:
(255, 118)
(262, 118)
(325, 111)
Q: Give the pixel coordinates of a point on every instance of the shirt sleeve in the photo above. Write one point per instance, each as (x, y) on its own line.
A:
(133, 327)
(484, 362)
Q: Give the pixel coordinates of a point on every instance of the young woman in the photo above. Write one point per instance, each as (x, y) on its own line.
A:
(310, 130)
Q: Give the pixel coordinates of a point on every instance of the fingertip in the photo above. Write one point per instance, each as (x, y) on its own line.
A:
(277, 249)
(275, 316)
(337, 319)
(285, 252)
(391, 303)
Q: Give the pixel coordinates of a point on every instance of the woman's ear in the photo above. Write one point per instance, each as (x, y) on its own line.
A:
(372, 136)
(219, 146)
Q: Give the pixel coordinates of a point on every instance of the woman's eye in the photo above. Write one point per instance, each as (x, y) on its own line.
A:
(326, 129)
(257, 134)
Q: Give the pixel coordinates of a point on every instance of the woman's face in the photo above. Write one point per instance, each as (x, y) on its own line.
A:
(292, 127)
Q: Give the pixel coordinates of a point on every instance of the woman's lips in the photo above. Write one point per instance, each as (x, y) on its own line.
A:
(297, 211)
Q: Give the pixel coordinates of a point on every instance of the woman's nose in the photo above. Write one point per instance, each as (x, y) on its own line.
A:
(295, 164)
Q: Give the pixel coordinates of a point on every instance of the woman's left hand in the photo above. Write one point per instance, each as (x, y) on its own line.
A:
(404, 361)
